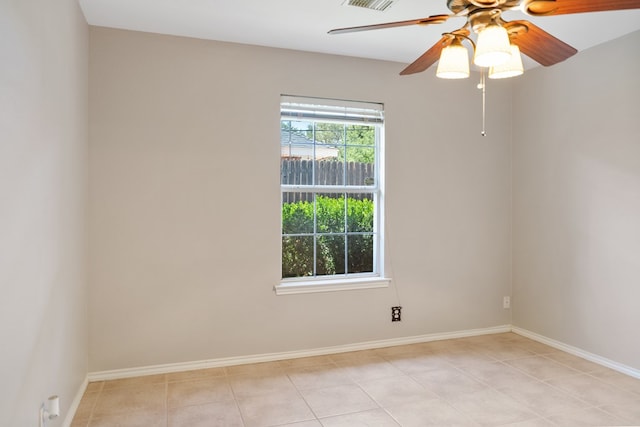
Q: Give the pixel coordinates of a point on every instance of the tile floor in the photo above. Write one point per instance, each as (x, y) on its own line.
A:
(490, 380)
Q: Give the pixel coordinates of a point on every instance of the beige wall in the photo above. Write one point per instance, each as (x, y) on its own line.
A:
(576, 208)
(184, 202)
(43, 175)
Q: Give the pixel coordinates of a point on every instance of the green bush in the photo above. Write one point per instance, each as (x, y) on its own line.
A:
(297, 251)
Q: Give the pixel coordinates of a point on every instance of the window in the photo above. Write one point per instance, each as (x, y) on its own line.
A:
(331, 187)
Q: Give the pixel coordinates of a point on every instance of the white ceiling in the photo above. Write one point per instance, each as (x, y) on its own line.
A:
(303, 24)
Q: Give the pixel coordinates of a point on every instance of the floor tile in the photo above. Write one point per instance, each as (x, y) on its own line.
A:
(586, 417)
(371, 369)
(312, 423)
(629, 412)
(371, 418)
(435, 412)
(135, 381)
(318, 377)
(498, 374)
(448, 383)
(265, 368)
(186, 393)
(338, 400)
(505, 351)
(249, 385)
(538, 422)
(197, 374)
(396, 390)
(500, 379)
(534, 346)
(79, 422)
(304, 362)
(573, 362)
(415, 363)
(274, 410)
(543, 399)
(490, 408)
(542, 368)
(87, 403)
(468, 358)
(618, 379)
(353, 356)
(121, 400)
(451, 346)
(401, 350)
(490, 339)
(592, 390)
(216, 414)
(94, 386)
(131, 419)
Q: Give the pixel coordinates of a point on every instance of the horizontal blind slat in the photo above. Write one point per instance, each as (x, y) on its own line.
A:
(337, 110)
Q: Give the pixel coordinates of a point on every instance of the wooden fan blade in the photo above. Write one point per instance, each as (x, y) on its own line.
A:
(428, 58)
(435, 19)
(537, 44)
(564, 7)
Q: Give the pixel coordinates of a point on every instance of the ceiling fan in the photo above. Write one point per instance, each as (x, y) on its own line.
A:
(498, 41)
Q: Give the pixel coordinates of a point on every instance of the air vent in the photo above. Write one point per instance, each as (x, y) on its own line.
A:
(371, 4)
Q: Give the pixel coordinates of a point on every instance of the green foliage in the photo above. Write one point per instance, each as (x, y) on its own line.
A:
(297, 251)
(359, 135)
(297, 218)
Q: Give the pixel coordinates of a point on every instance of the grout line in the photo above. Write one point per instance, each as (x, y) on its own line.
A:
(93, 407)
(235, 397)
(166, 401)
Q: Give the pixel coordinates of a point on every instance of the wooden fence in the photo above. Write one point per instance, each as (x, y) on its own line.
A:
(327, 172)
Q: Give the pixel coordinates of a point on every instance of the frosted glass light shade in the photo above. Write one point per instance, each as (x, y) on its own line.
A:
(493, 47)
(454, 62)
(513, 67)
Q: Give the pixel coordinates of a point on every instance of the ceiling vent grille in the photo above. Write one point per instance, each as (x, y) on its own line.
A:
(371, 4)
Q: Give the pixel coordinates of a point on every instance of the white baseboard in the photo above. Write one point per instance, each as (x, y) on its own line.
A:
(241, 360)
(578, 352)
(75, 403)
(270, 357)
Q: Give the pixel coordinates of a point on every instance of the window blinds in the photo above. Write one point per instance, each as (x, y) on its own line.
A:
(329, 110)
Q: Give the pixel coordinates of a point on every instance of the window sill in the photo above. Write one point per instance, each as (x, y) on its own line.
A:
(300, 287)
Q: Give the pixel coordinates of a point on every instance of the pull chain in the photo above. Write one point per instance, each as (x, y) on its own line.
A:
(483, 86)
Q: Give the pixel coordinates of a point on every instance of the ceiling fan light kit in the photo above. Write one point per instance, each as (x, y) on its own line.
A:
(482, 15)
(492, 47)
(512, 68)
(454, 61)
(499, 42)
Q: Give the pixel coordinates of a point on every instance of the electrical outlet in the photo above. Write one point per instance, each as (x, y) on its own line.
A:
(396, 313)
(506, 302)
(50, 410)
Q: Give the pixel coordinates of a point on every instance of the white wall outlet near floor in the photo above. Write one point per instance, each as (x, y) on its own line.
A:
(506, 302)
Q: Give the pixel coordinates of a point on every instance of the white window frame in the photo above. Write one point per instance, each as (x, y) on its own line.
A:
(346, 112)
